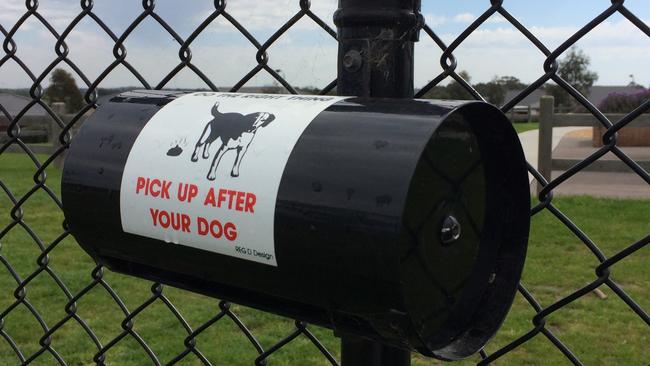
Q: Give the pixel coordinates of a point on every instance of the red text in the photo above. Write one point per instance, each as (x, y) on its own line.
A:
(153, 187)
(231, 199)
(175, 220)
(216, 228)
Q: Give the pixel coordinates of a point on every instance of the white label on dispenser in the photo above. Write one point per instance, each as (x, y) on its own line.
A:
(205, 170)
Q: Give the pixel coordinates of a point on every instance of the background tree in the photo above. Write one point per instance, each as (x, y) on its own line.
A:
(453, 90)
(493, 91)
(574, 69)
(437, 92)
(64, 89)
(456, 91)
(510, 82)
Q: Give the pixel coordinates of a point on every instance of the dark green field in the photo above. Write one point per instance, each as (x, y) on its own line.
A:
(599, 331)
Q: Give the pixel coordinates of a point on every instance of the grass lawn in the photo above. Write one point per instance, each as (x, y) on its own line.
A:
(600, 332)
(527, 126)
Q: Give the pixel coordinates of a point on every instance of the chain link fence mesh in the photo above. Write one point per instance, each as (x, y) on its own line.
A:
(59, 308)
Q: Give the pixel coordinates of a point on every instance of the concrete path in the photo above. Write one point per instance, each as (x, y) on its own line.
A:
(529, 141)
(600, 184)
(603, 184)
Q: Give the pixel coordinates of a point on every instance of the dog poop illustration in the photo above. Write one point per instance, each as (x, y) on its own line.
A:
(232, 131)
(175, 151)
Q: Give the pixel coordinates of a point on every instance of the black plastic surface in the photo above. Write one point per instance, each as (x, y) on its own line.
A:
(357, 221)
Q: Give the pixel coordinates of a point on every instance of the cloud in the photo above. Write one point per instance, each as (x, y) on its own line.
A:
(225, 65)
(10, 12)
(464, 18)
(255, 17)
(433, 20)
(607, 34)
(303, 63)
(57, 12)
(496, 19)
(616, 49)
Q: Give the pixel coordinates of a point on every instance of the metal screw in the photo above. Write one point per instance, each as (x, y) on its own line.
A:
(450, 230)
(352, 60)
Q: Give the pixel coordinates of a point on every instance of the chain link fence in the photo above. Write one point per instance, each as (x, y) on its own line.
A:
(59, 308)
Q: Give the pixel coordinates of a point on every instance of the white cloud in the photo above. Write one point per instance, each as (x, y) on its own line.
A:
(225, 65)
(496, 19)
(57, 12)
(433, 20)
(608, 34)
(310, 64)
(464, 18)
(255, 17)
(10, 12)
(616, 49)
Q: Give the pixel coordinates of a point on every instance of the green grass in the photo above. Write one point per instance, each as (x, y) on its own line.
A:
(527, 126)
(600, 332)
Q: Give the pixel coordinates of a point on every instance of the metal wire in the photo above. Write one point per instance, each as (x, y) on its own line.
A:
(448, 61)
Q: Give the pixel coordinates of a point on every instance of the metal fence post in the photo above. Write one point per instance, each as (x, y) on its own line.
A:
(375, 59)
(375, 56)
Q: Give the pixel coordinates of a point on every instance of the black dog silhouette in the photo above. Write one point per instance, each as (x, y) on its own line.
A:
(235, 132)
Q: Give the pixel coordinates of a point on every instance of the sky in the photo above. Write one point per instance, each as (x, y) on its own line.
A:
(306, 55)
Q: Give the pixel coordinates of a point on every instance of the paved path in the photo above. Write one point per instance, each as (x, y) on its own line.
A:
(600, 184)
(529, 141)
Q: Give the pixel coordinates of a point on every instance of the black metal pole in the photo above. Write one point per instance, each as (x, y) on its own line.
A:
(376, 47)
(361, 352)
(375, 59)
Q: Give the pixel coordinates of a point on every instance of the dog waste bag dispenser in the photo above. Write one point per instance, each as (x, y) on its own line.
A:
(401, 221)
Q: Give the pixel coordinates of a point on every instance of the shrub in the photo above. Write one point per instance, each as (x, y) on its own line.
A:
(624, 103)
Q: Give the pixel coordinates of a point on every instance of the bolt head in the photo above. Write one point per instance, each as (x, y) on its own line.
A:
(352, 60)
(449, 230)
